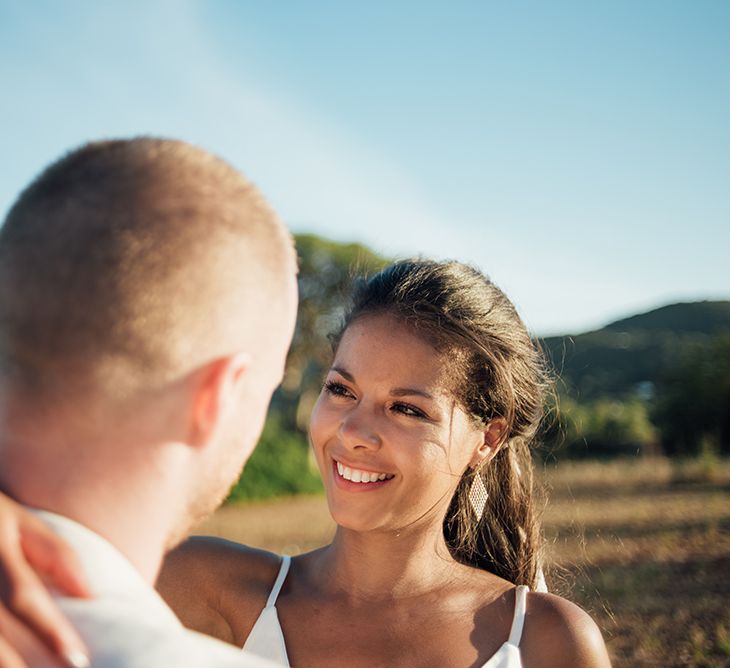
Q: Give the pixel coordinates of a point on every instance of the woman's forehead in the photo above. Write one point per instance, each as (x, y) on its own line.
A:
(384, 346)
(373, 331)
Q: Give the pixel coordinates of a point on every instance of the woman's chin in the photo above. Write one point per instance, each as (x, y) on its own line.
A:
(349, 517)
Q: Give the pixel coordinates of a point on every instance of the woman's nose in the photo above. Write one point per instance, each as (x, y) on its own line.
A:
(358, 429)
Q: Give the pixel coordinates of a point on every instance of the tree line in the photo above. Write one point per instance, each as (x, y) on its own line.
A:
(654, 383)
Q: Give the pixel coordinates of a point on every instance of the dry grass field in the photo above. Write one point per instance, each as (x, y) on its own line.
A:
(643, 545)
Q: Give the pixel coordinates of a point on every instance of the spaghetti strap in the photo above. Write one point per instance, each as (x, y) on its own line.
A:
(279, 583)
(518, 621)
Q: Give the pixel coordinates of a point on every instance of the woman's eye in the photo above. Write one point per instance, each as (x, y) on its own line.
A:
(407, 409)
(336, 389)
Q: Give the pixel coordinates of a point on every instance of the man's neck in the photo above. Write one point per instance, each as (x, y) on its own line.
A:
(130, 504)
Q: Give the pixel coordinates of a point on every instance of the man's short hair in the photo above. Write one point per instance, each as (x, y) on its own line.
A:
(132, 261)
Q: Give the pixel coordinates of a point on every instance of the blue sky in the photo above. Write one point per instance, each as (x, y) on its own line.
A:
(578, 153)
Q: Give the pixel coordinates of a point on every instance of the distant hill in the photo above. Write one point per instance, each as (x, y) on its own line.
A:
(704, 317)
(630, 355)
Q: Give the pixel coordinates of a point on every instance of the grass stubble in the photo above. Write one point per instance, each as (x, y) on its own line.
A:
(642, 544)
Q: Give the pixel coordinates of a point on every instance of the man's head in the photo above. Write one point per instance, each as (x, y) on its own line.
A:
(131, 268)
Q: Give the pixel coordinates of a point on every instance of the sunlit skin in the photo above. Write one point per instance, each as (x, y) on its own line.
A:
(386, 591)
(386, 408)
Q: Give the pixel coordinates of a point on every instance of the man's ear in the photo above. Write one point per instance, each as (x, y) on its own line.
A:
(214, 394)
(493, 436)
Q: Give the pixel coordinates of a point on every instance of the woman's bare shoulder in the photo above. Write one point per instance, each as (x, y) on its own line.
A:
(197, 554)
(217, 586)
(559, 633)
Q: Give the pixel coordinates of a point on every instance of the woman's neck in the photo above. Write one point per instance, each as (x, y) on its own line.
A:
(386, 565)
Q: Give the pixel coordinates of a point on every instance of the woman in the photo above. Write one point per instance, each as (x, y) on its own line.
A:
(422, 435)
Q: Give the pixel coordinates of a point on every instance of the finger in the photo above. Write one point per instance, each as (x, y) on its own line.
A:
(24, 536)
(26, 597)
(12, 642)
(49, 554)
(21, 647)
(9, 658)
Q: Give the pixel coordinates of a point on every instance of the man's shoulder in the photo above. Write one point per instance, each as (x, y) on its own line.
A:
(119, 637)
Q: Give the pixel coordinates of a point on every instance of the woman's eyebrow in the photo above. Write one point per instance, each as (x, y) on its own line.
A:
(345, 374)
(409, 391)
(396, 392)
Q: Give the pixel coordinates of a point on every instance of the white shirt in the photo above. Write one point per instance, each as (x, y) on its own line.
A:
(127, 624)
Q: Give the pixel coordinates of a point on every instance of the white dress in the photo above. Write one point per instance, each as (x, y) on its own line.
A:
(267, 639)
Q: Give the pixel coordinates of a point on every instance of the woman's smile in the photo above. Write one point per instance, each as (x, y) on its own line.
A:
(358, 480)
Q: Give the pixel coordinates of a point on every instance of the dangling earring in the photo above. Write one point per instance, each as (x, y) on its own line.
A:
(478, 495)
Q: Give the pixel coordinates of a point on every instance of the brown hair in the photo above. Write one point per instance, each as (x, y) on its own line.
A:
(129, 262)
(498, 372)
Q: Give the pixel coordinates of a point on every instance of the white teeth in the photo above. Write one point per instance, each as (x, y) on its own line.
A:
(356, 475)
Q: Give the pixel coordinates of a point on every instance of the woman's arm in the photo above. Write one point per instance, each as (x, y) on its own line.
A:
(29, 551)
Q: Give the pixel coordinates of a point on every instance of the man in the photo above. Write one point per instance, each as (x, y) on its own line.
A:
(147, 301)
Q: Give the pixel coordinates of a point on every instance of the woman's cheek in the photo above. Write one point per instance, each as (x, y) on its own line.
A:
(319, 413)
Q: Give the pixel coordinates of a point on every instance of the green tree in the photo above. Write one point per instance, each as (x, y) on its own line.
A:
(281, 463)
(601, 428)
(692, 404)
(327, 270)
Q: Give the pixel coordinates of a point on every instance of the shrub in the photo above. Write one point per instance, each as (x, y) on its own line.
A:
(280, 466)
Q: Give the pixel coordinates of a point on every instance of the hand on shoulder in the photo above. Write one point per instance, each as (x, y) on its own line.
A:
(558, 633)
